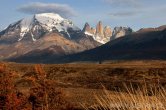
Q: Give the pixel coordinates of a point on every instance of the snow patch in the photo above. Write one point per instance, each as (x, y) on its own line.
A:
(96, 37)
(46, 16)
(26, 25)
(87, 33)
(33, 37)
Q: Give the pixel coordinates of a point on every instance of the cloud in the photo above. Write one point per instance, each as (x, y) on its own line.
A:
(38, 7)
(131, 3)
(124, 14)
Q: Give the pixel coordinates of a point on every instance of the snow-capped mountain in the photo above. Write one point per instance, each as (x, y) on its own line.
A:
(47, 33)
(35, 26)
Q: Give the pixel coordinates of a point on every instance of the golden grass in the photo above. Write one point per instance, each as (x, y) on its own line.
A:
(142, 98)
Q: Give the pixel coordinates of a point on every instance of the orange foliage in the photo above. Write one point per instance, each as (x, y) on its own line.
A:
(9, 96)
(2, 68)
(43, 94)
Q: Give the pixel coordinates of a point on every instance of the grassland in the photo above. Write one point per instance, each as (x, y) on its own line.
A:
(82, 83)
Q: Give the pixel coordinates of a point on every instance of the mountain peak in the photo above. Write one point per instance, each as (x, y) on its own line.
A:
(32, 28)
(87, 27)
(50, 15)
(120, 32)
(99, 28)
(100, 22)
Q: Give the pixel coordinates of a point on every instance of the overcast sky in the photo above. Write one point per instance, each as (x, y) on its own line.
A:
(133, 13)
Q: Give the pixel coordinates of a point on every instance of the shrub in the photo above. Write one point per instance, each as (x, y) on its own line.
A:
(10, 98)
(44, 95)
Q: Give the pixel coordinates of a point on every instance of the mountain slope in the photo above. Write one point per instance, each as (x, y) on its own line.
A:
(40, 34)
(147, 45)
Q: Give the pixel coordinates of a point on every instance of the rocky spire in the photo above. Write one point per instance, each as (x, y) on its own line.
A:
(99, 29)
(107, 32)
(99, 33)
(87, 28)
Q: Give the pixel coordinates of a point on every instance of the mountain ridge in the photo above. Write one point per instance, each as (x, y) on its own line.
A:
(31, 40)
(39, 33)
(136, 46)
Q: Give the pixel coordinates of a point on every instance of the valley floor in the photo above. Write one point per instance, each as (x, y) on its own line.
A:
(82, 83)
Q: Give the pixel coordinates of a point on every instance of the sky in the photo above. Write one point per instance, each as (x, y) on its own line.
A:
(131, 13)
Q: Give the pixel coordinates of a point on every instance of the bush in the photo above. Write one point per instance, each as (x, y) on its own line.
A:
(44, 95)
(10, 98)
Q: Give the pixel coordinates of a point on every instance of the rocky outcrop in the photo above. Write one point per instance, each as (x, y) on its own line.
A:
(99, 29)
(107, 32)
(93, 30)
(100, 34)
(120, 32)
(87, 28)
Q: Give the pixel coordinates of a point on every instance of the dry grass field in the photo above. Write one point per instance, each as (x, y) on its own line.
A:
(91, 85)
